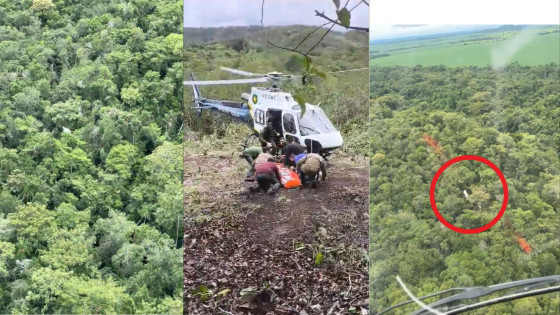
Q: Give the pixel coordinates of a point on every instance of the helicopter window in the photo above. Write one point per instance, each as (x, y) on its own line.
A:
(314, 122)
(259, 116)
(290, 124)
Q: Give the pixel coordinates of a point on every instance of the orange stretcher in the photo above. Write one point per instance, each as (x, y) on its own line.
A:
(289, 178)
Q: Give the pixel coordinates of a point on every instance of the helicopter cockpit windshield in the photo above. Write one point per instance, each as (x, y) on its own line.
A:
(314, 121)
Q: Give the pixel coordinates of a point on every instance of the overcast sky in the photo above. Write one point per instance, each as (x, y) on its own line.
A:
(445, 16)
(217, 13)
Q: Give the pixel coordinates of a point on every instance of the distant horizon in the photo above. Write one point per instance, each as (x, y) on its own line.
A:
(387, 32)
(430, 30)
(270, 26)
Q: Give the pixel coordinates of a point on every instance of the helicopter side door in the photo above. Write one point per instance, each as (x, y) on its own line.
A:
(275, 115)
(289, 125)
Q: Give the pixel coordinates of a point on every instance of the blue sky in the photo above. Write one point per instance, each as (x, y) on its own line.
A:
(217, 13)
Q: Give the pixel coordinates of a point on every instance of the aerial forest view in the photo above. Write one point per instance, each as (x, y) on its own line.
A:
(299, 250)
(90, 157)
(443, 103)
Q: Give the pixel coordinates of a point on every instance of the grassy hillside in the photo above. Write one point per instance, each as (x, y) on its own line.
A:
(256, 37)
(478, 49)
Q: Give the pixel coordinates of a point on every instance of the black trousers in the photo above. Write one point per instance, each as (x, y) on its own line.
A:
(287, 162)
(266, 180)
(308, 178)
(274, 141)
(249, 160)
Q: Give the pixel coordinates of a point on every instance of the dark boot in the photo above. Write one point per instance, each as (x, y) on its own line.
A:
(250, 177)
(302, 179)
(314, 180)
(274, 189)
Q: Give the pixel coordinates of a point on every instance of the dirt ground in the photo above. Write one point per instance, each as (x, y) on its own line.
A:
(302, 251)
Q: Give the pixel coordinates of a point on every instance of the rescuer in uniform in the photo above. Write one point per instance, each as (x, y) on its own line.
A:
(250, 154)
(290, 151)
(269, 137)
(267, 176)
(309, 166)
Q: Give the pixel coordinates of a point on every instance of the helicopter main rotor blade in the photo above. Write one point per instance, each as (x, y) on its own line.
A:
(348, 70)
(241, 72)
(220, 82)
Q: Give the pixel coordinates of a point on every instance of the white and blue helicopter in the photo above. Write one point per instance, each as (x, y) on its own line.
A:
(313, 129)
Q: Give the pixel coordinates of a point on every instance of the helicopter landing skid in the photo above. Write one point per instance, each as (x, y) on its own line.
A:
(326, 155)
(245, 145)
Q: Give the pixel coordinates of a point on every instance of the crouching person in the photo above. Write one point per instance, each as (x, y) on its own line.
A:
(309, 167)
(250, 154)
(267, 175)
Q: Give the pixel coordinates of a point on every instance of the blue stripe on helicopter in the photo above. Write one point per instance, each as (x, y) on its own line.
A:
(239, 113)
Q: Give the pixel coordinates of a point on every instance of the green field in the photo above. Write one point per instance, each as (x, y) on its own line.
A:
(540, 49)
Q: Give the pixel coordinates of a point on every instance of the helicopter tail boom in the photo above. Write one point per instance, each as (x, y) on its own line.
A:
(196, 91)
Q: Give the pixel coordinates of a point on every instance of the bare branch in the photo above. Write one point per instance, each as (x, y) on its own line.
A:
(306, 37)
(262, 14)
(358, 28)
(320, 40)
(357, 5)
(307, 59)
(329, 21)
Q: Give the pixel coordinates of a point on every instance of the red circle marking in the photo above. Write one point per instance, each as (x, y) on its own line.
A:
(433, 189)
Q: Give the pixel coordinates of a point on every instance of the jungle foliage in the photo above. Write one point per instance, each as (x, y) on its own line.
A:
(420, 117)
(90, 156)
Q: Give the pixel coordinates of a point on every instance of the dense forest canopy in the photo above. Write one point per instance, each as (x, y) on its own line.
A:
(421, 117)
(90, 156)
